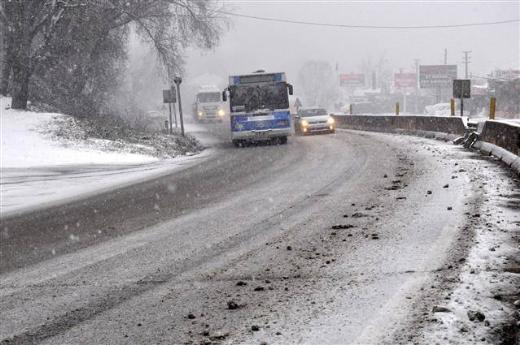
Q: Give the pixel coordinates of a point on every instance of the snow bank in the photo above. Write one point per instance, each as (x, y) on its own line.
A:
(24, 143)
(26, 190)
(439, 109)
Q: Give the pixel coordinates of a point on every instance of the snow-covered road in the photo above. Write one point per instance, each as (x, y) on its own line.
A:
(349, 238)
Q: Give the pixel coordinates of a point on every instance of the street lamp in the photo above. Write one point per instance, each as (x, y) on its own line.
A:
(178, 81)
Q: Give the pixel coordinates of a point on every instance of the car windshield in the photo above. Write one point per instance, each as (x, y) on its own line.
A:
(313, 112)
(253, 97)
(207, 97)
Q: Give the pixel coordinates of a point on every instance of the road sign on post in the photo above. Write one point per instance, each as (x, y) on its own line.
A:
(178, 81)
(170, 97)
(461, 89)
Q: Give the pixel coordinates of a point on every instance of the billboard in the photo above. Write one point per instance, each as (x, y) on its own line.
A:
(437, 76)
(403, 80)
(352, 79)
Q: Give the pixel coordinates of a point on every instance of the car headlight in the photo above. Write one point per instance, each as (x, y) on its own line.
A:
(221, 112)
(201, 113)
(305, 123)
(330, 121)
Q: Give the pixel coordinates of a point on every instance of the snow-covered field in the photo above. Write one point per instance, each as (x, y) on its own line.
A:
(37, 169)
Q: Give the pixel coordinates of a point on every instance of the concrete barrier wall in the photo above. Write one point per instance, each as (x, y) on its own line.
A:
(499, 139)
(502, 134)
(392, 123)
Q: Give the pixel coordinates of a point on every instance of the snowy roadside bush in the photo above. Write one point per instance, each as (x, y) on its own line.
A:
(114, 134)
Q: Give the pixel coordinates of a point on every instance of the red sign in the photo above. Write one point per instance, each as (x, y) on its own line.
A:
(402, 80)
(352, 79)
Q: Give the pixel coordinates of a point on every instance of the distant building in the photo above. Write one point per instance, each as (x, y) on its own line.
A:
(507, 93)
(505, 85)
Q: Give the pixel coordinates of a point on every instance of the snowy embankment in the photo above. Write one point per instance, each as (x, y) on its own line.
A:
(39, 168)
(27, 141)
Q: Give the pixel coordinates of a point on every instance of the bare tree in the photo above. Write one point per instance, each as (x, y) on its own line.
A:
(378, 68)
(319, 83)
(3, 55)
(24, 21)
(34, 26)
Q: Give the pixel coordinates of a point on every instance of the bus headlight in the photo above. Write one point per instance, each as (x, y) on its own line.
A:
(221, 112)
(330, 121)
(304, 123)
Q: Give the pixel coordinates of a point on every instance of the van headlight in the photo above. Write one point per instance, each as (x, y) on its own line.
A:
(200, 113)
(330, 121)
(304, 123)
(221, 112)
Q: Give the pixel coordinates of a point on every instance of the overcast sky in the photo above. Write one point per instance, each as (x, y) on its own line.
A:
(250, 44)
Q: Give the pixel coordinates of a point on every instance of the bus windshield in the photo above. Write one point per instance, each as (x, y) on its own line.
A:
(259, 96)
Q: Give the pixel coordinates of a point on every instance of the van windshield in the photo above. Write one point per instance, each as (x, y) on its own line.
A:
(206, 97)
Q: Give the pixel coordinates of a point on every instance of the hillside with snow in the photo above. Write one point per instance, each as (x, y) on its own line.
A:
(28, 141)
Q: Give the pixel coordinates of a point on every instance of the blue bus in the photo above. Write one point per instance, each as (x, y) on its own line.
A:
(259, 107)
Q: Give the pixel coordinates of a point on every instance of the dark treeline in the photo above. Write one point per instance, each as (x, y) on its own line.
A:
(71, 54)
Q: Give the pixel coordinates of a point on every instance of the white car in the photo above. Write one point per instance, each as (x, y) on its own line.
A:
(314, 120)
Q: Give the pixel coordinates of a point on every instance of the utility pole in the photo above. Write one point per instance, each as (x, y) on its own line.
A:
(173, 91)
(170, 128)
(466, 62)
(175, 116)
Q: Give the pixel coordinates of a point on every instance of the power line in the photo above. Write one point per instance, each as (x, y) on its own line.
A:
(289, 21)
